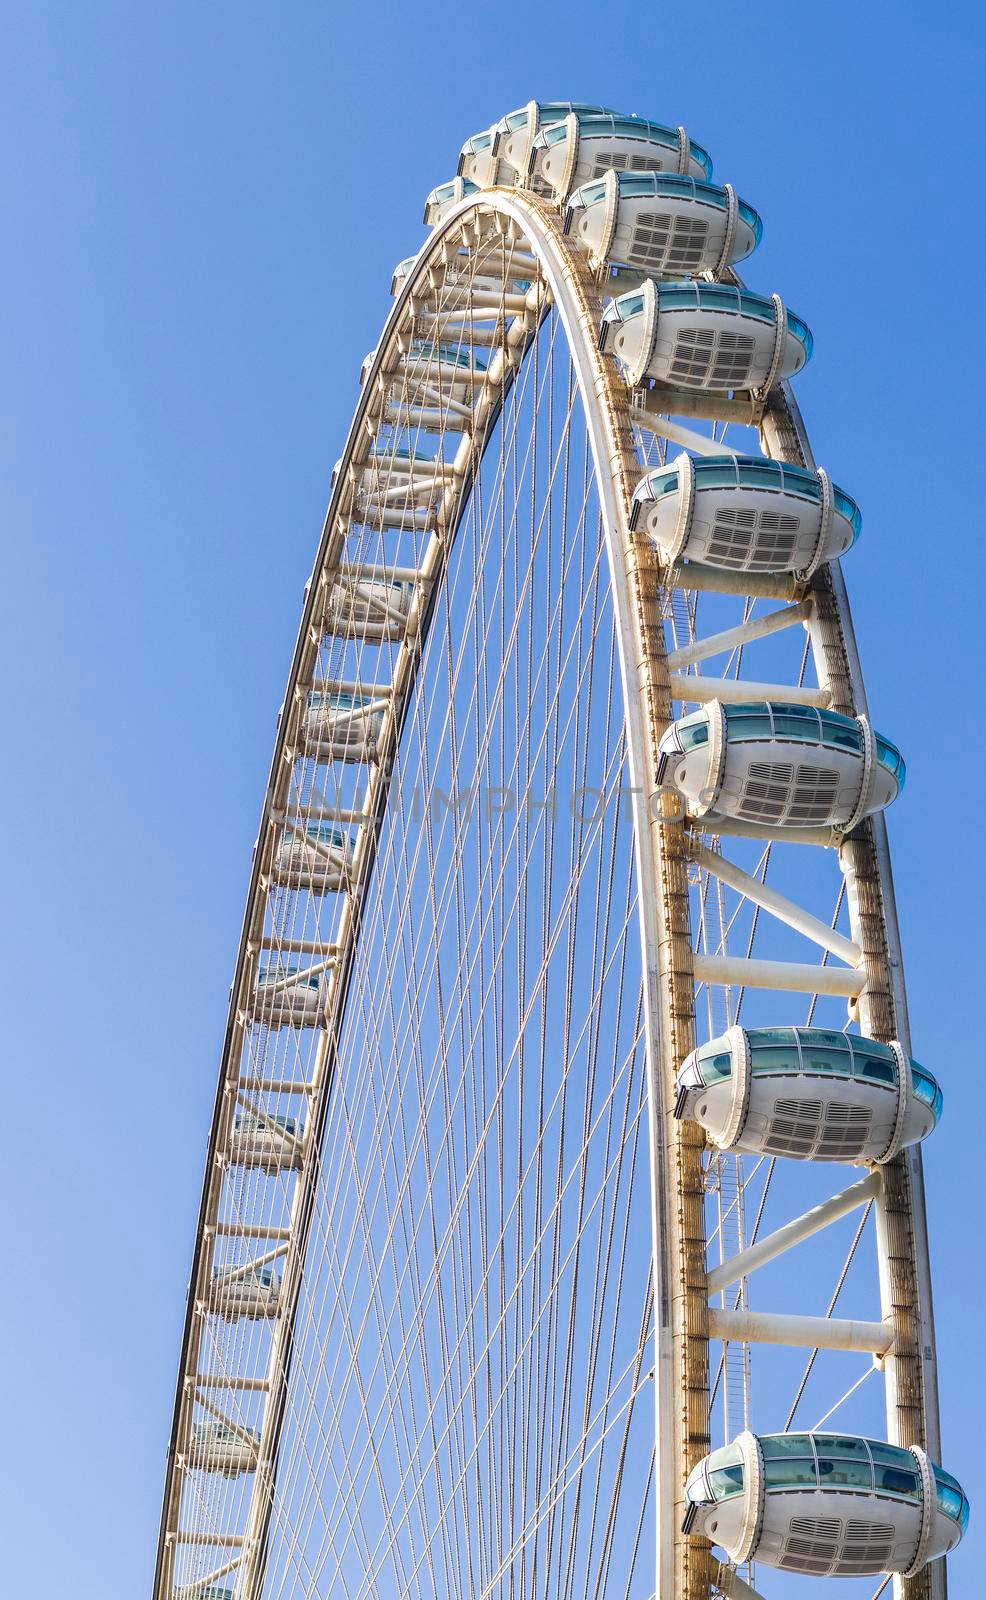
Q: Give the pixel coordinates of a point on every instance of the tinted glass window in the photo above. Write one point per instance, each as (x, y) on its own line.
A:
(716, 1068)
(796, 1470)
(834, 1470)
(896, 1481)
(693, 736)
(726, 1481)
(785, 1444)
(775, 1058)
(749, 727)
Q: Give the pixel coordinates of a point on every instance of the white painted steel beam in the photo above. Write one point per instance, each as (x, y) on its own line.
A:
(795, 977)
(794, 1232)
(778, 905)
(809, 1333)
(688, 438)
(734, 638)
(732, 691)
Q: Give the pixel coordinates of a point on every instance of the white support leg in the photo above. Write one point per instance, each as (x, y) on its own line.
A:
(730, 691)
(746, 633)
(790, 976)
(777, 904)
(792, 1233)
(810, 1333)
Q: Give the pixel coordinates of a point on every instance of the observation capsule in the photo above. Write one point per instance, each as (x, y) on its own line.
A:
(217, 1447)
(584, 145)
(194, 1591)
(445, 198)
(515, 133)
(399, 488)
(286, 996)
(479, 162)
(468, 285)
(370, 610)
(807, 1093)
(345, 725)
(712, 336)
(781, 766)
(320, 860)
(662, 223)
(248, 1291)
(266, 1140)
(745, 514)
(828, 1504)
(437, 378)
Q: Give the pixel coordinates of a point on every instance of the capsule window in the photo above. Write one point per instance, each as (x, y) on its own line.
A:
(667, 483)
(775, 1446)
(841, 732)
(676, 295)
(715, 474)
(895, 1480)
(889, 756)
(715, 1069)
(693, 736)
(818, 1058)
(772, 1035)
(726, 1481)
(951, 1499)
(776, 1058)
(719, 297)
(853, 1474)
(924, 1086)
(756, 305)
(790, 1473)
(751, 727)
(789, 725)
(873, 1061)
(848, 508)
(801, 481)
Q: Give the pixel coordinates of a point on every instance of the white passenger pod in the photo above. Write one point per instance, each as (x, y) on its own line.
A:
(216, 1447)
(369, 610)
(807, 1093)
(745, 514)
(432, 380)
(261, 1139)
(711, 336)
(826, 1504)
(195, 1591)
(478, 287)
(343, 725)
(583, 146)
(445, 198)
(514, 134)
(479, 162)
(248, 1291)
(399, 488)
(781, 766)
(285, 996)
(661, 223)
(319, 861)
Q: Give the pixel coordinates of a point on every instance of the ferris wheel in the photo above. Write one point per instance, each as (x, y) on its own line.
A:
(528, 1261)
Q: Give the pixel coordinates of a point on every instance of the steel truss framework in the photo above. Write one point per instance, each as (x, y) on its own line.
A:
(500, 283)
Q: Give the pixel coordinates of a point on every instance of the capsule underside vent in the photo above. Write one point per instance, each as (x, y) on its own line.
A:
(809, 1128)
(617, 162)
(666, 243)
(733, 544)
(775, 791)
(712, 358)
(818, 1545)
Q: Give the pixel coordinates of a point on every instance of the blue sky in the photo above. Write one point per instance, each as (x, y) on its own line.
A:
(202, 207)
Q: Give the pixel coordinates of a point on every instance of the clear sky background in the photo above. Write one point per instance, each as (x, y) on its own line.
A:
(202, 205)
